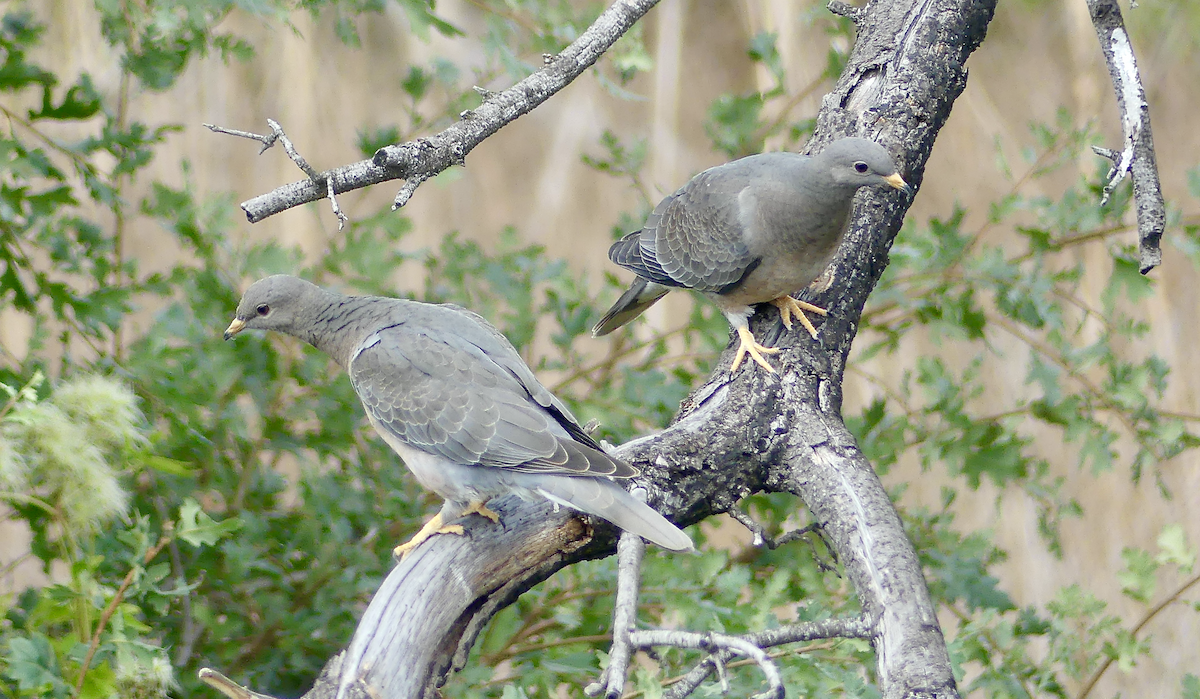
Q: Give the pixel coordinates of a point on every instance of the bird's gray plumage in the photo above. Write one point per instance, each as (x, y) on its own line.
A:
(750, 231)
(450, 394)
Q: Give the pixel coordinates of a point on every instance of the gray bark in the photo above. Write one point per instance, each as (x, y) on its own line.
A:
(735, 435)
(1136, 156)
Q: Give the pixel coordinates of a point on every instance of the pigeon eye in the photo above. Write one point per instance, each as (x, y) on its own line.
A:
(861, 168)
(263, 309)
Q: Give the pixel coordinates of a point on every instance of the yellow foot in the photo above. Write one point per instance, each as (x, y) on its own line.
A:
(755, 350)
(480, 509)
(433, 527)
(789, 307)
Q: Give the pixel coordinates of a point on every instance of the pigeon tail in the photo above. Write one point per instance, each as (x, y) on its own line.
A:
(640, 295)
(608, 500)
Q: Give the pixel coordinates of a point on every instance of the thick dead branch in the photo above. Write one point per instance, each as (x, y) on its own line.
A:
(419, 160)
(1136, 157)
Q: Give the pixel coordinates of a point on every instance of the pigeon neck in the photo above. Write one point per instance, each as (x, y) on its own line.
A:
(338, 319)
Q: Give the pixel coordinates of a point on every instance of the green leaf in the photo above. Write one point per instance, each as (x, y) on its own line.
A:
(734, 124)
(82, 101)
(32, 664)
(198, 529)
(175, 467)
(1138, 578)
(1173, 548)
(1190, 687)
(421, 17)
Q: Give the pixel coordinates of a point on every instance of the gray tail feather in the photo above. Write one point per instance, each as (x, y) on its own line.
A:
(640, 295)
(606, 499)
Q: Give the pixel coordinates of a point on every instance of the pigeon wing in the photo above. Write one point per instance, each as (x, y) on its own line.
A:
(441, 399)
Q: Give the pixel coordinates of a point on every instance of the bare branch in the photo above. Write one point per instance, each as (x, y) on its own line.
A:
(1137, 157)
(630, 550)
(715, 643)
(426, 157)
(267, 140)
(406, 192)
(337, 210)
(858, 627)
(277, 135)
(762, 538)
(292, 153)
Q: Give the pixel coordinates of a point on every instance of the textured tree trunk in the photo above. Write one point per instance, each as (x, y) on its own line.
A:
(734, 435)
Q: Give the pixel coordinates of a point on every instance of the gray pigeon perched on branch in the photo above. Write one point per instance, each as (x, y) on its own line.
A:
(751, 231)
(452, 397)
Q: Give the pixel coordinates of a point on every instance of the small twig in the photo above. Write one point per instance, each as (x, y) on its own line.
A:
(684, 685)
(761, 537)
(267, 140)
(630, 551)
(337, 210)
(406, 192)
(168, 530)
(190, 632)
(1137, 157)
(292, 153)
(278, 135)
(845, 9)
(714, 643)
(837, 627)
(1171, 599)
(722, 674)
(228, 687)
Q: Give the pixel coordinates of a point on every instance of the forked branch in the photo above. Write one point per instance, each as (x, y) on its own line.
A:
(417, 161)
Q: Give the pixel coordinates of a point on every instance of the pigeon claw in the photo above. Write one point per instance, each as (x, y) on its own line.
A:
(433, 527)
(481, 509)
(756, 351)
(789, 307)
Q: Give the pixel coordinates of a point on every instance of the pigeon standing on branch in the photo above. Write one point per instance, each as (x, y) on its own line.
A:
(755, 230)
(452, 397)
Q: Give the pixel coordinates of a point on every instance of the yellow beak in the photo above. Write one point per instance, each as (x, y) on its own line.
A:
(234, 328)
(895, 181)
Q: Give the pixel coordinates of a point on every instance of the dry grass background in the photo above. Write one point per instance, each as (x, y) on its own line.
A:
(1038, 56)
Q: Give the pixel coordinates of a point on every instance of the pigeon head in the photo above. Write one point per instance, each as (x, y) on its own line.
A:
(275, 303)
(857, 162)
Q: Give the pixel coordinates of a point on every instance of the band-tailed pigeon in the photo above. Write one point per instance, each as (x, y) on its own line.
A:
(751, 231)
(451, 396)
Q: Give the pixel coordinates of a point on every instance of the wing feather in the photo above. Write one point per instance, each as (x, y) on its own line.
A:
(437, 396)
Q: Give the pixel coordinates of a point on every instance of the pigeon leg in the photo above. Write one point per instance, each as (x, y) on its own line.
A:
(789, 306)
(480, 508)
(432, 527)
(756, 351)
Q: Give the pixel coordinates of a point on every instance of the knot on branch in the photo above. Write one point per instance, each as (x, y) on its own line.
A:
(404, 158)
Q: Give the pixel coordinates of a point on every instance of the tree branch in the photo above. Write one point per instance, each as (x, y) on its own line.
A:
(1137, 157)
(630, 551)
(423, 158)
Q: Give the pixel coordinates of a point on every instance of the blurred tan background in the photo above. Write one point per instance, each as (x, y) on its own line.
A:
(1038, 56)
